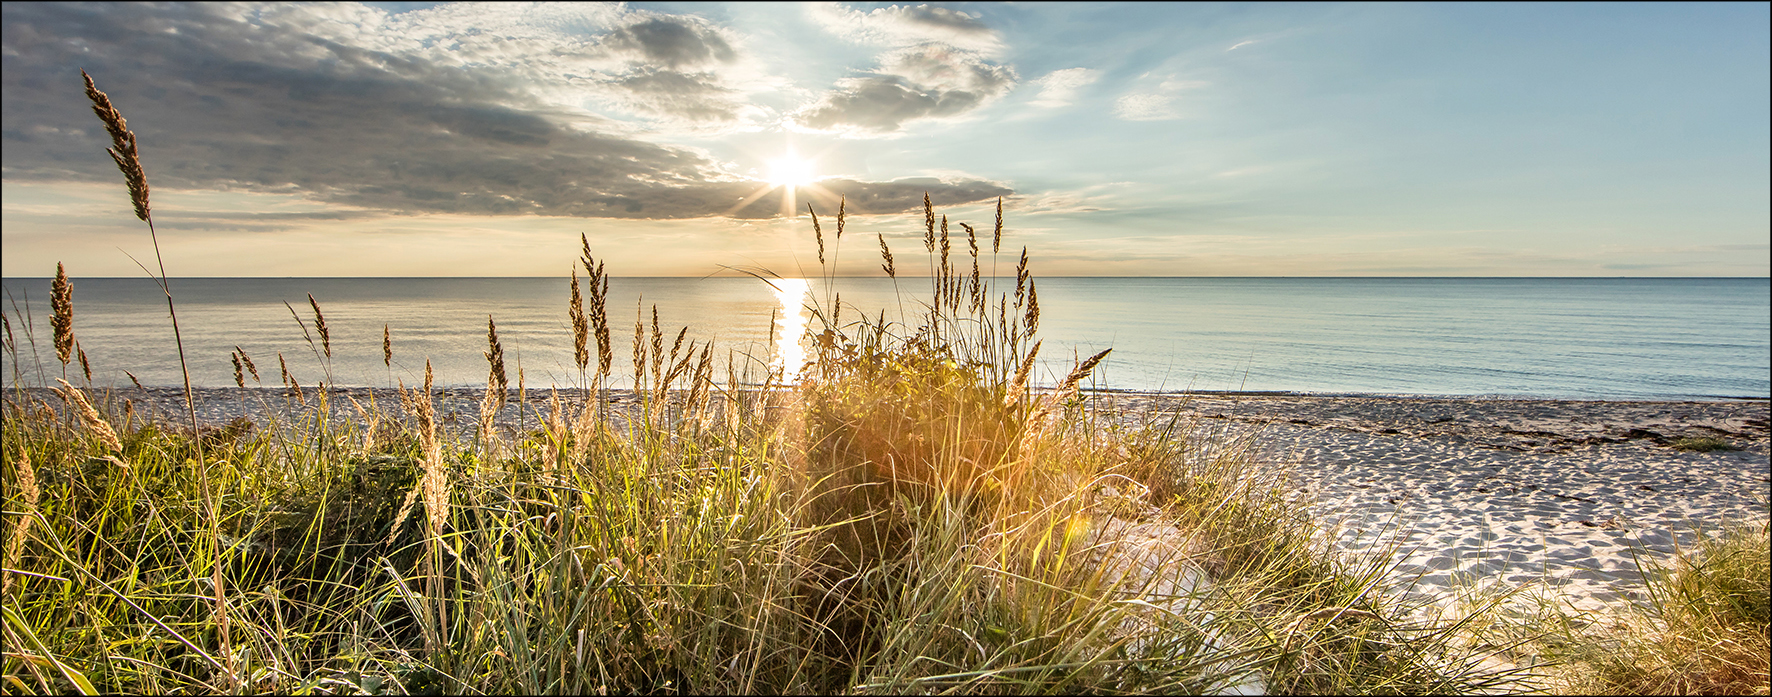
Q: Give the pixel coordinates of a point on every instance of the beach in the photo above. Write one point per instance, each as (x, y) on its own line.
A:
(1500, 493)
(1506, 493)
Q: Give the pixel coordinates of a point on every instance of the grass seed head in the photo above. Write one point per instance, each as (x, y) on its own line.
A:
(658, 355)
(581, 328)
(1082, 370)
(320, 325)
(599, 316)
(817, 232)
(122, 148)
(61, 303)
(1026, 368)
(90, 416)
(639, 349)
(997, 234)
(885, 253)
(944, 243)
(928, 224)
(496, 381)
(248, 361)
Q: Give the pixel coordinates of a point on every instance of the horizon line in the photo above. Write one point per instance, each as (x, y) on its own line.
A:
(1036, 276)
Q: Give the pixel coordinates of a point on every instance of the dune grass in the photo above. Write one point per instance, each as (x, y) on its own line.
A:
(1702, 444)
(1702, 630)
(915, 514)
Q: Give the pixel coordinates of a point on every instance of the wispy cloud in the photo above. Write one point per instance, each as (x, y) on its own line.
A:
(1059, 87)
(1156, 104)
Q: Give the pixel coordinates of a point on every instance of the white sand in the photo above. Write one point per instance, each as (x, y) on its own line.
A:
(1503, 492)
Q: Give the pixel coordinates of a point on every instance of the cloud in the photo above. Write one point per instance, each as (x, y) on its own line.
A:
(936, 66)
(426, 114)
(905, 25)
(1059, 87)
(1145, 107)
(673, 42)
(1154, 105)
(921, 82)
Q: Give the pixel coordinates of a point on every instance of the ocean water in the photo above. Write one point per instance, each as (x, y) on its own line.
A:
(1542, 337)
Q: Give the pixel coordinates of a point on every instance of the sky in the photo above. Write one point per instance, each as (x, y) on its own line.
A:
(688, 139)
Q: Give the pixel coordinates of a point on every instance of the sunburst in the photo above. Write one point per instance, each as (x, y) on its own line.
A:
(795, 177)
(791, 170)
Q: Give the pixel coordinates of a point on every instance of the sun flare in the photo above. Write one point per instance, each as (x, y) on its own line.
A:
(790, 170)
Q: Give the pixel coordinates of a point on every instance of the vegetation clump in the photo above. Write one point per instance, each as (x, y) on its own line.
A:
(1704, 630)
(1702, 444)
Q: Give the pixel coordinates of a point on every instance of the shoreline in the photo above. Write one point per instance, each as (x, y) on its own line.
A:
(1486, 397)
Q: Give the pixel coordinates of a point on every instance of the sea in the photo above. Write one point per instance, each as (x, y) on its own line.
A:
(1560, 338)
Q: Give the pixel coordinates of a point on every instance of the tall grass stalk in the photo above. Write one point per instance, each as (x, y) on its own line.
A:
(128, 159)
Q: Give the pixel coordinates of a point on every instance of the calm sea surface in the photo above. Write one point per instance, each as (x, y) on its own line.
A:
(1569, 338)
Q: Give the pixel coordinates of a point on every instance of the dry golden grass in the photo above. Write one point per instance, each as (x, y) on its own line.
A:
(1707, 630)
(95, 422)
(25, 486)
(61, 320)
(122, 149)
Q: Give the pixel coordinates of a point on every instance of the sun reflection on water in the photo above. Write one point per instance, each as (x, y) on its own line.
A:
(790, 355)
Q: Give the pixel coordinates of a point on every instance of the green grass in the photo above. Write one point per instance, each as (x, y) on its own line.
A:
(1703, 630)
(1702, 444)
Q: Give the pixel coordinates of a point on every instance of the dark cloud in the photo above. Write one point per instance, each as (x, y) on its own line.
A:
(943, 18)
(694, 96)
(220, 102)
(927, 81)
(673, 42)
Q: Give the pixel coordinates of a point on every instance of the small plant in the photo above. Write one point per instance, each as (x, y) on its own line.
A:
(1702, 444)
(1704, 630)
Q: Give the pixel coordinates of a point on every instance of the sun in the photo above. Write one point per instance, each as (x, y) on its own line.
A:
(790, 170)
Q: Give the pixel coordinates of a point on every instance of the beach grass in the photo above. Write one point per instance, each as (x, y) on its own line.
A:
(1703, 628)
(914, 514)
(1702, 444)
